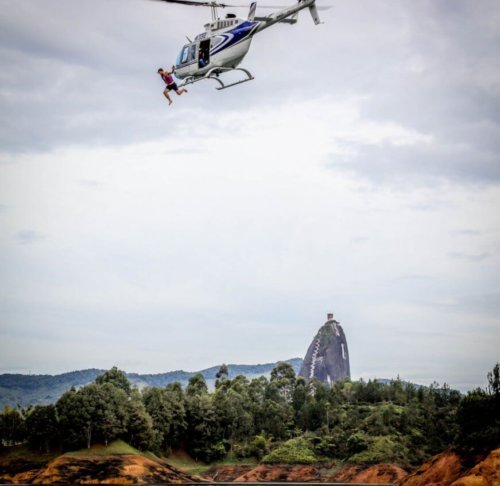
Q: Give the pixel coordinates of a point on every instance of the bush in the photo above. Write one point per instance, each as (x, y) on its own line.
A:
(210, 453)
(329, 446)
(357, 442)
(257, 448)
(293, 451)
(380, 449)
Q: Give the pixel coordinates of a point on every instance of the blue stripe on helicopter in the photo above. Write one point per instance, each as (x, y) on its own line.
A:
(238, 34)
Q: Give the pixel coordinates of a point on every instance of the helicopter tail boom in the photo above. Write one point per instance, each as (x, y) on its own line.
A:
(314, 13)
(289, 14)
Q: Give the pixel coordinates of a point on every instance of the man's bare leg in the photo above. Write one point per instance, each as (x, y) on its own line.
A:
(165, 92)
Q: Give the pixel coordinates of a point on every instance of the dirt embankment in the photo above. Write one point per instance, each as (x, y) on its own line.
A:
(377, 474)
(381, 473)
(227, 473)
(449, 469)
(19, 470)
(485, 473)
(112, 469)
(446, 469)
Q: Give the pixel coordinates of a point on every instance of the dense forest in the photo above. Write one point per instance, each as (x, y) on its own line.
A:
(282, 419)
(25, 390)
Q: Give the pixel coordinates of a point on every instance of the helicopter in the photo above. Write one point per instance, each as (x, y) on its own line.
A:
(225, 42)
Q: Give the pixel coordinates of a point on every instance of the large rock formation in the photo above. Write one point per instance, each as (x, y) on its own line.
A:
(327, 358)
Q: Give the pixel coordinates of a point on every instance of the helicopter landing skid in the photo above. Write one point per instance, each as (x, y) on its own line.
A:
(214, 74)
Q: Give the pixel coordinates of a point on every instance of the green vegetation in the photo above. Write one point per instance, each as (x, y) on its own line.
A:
(183, 461)
(24, 452)
(293, 451)
(187, 464)
(280, 419)
(479, 416)
(26, 390)
(380, 449)
(115, 447)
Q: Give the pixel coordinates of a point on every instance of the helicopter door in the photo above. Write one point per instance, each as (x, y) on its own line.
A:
(204, 53)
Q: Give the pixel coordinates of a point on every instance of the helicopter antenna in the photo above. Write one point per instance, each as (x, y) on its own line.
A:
(213, 8)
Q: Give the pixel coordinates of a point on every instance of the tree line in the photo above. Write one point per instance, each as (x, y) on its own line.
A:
(277, 419)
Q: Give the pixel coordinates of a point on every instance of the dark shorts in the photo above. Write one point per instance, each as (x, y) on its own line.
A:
(172, 86)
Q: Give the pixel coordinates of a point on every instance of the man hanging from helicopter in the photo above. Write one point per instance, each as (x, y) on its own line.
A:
(171, 84)
(225, 43)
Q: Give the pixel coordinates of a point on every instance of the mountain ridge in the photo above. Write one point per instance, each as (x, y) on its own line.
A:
(24, 390)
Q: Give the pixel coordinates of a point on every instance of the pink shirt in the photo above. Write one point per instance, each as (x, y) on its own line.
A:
(167, 78)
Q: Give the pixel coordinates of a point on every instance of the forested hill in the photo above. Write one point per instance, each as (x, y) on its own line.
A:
(24, 390)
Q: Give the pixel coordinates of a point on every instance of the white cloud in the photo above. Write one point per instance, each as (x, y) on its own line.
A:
(248, 232)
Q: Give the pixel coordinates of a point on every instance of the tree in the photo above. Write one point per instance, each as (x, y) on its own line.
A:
(204, 440)
(42, 428)
(257, 394)
(196, 386)
(72, 420)
(95, 413)
(117, 378)
(167, 411)
(233, 409)
(277, 419)
(283, 377)
(12, 426)
(494, 381)
(139, 426)
(221, 375)
(478, 416)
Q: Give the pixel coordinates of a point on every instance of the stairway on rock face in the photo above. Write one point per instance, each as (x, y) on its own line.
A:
(313, 360)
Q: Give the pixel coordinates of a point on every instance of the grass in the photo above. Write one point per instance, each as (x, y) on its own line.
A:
(183, 461)
(25, 453)
(232, 460)
(115, 447)
(186, 463)
(179, 459)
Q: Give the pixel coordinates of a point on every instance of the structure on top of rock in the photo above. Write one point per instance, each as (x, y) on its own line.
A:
(327, 358)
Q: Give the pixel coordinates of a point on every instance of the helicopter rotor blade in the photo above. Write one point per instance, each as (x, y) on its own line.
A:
(282, 6)
(202, 3)
(223, 5)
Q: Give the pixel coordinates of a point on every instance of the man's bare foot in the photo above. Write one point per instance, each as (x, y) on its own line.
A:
(170, 102)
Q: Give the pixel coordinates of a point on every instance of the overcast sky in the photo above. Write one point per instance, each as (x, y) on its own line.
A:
(359, 173)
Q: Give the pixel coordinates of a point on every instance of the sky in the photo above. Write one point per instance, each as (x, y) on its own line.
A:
(358, 173)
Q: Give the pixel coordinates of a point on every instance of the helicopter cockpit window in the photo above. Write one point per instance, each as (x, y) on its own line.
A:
(193, 52)
(185, 53)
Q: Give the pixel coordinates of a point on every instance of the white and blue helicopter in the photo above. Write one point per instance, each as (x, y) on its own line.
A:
(225, 42)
